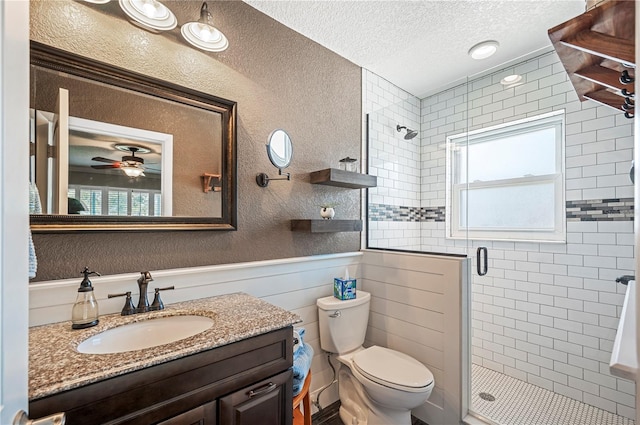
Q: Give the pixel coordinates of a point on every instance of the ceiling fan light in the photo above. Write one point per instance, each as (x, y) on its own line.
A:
(149, 14)
(132, 171)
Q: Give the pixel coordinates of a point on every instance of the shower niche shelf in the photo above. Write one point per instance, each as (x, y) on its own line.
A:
(326, 226)
(342, 178)
(596, 48)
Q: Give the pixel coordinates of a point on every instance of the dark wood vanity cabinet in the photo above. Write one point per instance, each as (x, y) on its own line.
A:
(246, 382)
(201, 415)
(265, 403)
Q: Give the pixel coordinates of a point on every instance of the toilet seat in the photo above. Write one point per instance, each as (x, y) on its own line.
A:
(392, 369)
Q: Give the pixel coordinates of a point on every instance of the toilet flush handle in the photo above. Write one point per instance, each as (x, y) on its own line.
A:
(335, 314)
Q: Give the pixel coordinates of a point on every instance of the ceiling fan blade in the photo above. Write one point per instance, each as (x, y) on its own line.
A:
(102, 159)
(105, 167)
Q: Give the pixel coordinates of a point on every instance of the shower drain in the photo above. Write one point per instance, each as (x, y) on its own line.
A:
(487, 397)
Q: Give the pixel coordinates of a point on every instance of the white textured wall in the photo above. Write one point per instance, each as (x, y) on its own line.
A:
(416, 308)
(545, 313)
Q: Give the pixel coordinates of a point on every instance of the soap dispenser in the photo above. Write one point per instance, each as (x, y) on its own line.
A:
(85, 309)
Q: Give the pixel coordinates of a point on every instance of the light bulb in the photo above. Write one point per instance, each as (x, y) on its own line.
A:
(149, 9)
(203, 35)
(133, 171)
(150, 14)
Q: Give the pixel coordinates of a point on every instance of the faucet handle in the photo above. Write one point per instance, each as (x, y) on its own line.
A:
(128, 304)
(157, 303)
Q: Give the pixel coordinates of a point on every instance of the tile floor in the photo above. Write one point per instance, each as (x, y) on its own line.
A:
(519, 403)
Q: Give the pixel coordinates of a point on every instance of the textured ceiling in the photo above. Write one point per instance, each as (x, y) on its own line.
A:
(421, 45)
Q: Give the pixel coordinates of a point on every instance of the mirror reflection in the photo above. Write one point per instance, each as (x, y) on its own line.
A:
(111, 169)
(109, 146)
(280, 149)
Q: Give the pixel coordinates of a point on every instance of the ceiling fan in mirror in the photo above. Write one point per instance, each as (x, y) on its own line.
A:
(131, 165)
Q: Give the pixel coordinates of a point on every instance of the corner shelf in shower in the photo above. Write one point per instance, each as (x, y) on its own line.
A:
(342, 178)
(326, 226)
(595, 48)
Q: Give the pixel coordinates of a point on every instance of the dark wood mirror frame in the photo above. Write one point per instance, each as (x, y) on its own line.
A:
(59, 60)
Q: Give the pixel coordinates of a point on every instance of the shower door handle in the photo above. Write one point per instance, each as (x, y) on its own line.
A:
(482, 266)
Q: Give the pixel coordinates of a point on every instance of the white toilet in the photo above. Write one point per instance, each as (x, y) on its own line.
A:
(378, 385)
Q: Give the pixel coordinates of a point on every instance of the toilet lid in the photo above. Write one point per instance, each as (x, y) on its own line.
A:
(387, 366)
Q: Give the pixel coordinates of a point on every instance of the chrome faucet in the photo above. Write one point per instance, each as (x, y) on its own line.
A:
(143, 283)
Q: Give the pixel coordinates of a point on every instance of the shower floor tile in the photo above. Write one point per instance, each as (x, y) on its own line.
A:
(519, 403)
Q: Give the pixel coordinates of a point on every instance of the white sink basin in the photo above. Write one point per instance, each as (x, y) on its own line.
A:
(145, 334)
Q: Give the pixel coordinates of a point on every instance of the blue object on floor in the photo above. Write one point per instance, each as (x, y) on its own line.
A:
(302, 356)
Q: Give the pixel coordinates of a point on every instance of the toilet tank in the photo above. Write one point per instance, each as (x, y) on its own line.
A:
(343, 323)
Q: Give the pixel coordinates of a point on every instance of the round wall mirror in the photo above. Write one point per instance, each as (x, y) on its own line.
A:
(280, 149)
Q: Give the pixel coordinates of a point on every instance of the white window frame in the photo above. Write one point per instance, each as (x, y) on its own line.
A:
(454, 229)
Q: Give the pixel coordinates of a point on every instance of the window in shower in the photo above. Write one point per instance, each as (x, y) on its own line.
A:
(507, 182)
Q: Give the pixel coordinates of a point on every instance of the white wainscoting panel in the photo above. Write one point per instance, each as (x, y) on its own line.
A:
(416, 309)
(293, 284)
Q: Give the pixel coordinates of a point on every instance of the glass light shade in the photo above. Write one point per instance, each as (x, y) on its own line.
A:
(484, 49)
(204, 36)
(98, 1)
(150, 14)
(132, 171)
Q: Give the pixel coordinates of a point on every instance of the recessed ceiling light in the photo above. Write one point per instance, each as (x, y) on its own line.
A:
(511, 79)
(484, 49)
(150, 14)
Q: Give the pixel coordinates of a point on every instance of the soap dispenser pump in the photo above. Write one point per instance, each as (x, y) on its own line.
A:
(85, 309)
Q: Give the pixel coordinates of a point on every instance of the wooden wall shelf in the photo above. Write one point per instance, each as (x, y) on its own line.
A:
(341, 178)
(326, 226)
(595, 48)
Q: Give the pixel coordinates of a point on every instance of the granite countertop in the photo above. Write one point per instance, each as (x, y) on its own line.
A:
(55, 364)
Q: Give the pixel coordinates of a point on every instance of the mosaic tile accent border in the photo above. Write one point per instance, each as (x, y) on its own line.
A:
(618, 209)
(383, 212)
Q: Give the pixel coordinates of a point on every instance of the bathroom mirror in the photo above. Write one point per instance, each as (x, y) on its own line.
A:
(280, 149)
(114, 150)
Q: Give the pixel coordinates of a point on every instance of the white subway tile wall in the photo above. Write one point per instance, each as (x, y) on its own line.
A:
(394, 160)
(545, 313)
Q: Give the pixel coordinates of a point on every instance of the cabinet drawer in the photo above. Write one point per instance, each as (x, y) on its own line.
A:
(269, 402)
(201, 415)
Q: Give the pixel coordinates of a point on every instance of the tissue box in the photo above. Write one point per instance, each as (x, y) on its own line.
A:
(344, 289)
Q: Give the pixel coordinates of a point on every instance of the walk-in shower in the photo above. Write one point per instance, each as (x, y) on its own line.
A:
(545, 314)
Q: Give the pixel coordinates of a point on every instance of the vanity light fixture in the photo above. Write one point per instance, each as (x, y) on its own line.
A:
(484, 49)
(149, 14)
(509, 80)
(203, 35)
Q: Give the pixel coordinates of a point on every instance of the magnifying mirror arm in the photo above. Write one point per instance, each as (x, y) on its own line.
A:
(263, 179)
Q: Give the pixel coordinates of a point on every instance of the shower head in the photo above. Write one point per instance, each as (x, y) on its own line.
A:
(410, 133)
